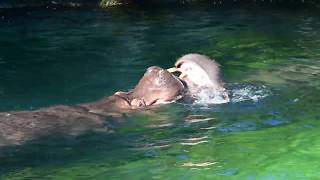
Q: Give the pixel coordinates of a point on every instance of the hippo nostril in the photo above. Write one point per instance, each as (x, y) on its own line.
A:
(160, 72)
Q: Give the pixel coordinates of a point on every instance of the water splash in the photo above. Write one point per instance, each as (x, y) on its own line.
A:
(237, 93)
(249, 93)
(209, 96)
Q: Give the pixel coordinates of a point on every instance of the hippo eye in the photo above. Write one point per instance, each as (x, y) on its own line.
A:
(179, 65)
(138, 103)
(141, 104)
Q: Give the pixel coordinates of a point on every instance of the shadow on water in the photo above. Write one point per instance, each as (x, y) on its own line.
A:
(125, 143)
(57, 150)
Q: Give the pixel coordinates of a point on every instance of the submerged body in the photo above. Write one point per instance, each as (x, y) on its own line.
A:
(157, 86)
(202, 77)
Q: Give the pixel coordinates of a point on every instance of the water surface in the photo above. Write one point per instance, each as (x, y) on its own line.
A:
(270, 60)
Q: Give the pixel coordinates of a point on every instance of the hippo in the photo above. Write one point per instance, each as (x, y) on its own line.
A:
(157, 86)
(202, 77)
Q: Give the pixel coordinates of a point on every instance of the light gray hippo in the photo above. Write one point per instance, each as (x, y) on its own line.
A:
(202, 77)
(157, 86)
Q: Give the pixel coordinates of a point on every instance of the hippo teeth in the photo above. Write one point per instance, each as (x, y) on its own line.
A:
(173, 69)
(182, 75)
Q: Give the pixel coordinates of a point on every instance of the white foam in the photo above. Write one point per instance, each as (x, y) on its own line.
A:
(238, 93)
(209, 96)
(249, 93)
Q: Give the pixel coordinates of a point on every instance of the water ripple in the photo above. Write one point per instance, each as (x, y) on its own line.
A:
(197, 165)
(194, 141)
(197, 118)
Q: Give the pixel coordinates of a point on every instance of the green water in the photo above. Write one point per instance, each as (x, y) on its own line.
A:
(270, 60)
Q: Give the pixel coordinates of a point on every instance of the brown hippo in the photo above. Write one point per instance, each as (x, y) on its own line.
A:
(157, 86)
(202, 77)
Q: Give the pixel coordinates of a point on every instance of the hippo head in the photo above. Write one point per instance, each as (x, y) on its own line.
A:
(157, 86)
(201, 74)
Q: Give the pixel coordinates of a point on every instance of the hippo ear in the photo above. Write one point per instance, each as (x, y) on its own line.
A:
(121, 93)
(138, 103)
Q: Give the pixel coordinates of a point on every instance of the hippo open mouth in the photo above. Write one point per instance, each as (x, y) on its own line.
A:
(202, 77)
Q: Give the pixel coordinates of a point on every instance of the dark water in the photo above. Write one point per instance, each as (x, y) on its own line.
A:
(270, 59)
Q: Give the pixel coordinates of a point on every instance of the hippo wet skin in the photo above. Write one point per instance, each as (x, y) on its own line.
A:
(157, 86)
